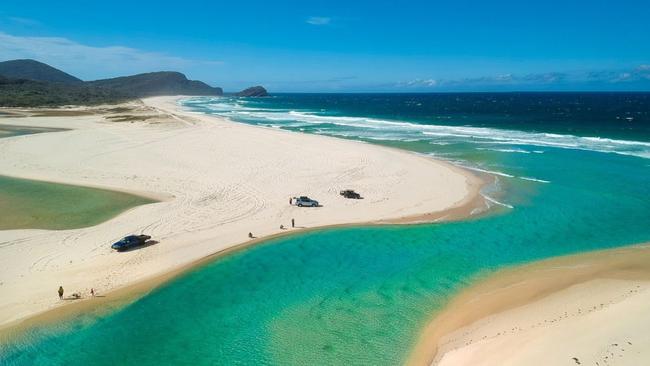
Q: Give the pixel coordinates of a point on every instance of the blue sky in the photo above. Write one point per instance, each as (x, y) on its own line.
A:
(343, 46)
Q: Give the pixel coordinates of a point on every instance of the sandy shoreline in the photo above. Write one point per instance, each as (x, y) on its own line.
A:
(579, 306)
(218, 180)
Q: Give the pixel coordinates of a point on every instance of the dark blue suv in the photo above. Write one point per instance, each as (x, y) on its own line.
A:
(130, 242)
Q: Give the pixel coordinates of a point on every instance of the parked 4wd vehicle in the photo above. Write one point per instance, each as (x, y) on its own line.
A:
(304, 201)
(130, 241)
(349, 193)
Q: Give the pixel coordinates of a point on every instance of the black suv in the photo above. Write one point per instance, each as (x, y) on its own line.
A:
(348, 193)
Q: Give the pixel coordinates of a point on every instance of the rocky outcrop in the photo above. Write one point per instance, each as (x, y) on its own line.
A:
(255, 91)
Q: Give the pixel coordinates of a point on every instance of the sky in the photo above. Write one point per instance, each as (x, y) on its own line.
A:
(343, 46)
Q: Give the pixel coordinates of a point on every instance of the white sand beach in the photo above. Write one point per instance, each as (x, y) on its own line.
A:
(599, 322)
(585, 309)
(217, 181)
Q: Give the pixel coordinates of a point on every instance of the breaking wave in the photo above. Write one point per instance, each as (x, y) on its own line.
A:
(498, 140)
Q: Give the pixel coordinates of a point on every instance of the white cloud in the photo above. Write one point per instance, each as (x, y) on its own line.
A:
(28, 22)
(319, 20)
(90, 62)
(637, 74)
(419, 83)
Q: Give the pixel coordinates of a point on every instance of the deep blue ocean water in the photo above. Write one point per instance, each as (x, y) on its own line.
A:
(573, 175)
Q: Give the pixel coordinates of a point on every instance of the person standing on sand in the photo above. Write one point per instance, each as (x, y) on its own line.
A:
(61, 292)
(290, 201)
(92, 292)
(293, 223)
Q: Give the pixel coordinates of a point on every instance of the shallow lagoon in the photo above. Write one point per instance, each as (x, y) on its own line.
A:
(30, 204)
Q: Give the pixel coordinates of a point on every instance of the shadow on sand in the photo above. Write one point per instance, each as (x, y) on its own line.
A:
(148, 243)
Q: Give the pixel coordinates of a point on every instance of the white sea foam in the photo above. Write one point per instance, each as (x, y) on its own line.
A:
(497, 202)
(493, 172)
(374, 128)
(535, 179)
(520, 151)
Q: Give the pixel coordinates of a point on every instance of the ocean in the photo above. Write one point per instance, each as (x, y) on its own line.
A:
(572, 175)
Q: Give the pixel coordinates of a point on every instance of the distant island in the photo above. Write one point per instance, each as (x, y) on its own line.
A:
(30, 83)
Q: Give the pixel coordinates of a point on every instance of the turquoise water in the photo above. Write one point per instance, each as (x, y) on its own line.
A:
(31, 204)
(359, 296)
(11, 130)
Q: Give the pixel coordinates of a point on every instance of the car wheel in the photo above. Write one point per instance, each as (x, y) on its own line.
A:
(300, 205)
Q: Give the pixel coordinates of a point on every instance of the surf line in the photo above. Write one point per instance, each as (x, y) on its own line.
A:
(497, 202)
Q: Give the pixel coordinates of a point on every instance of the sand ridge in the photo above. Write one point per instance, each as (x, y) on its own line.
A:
(588, 308)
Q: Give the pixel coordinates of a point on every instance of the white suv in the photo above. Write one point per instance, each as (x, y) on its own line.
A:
(304, 201)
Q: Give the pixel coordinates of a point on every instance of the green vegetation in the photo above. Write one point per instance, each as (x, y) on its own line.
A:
(28, 93)
(29, 83)
(157, 83)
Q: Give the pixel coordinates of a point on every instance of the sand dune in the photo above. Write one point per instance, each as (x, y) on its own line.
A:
(217, 180)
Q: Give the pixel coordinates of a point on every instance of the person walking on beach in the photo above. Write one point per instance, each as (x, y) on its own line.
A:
(61, 292)
(250, 235)
(293, 223)
(290, 201)
(92, 292)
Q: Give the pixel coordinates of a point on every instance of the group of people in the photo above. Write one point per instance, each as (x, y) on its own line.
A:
(293, 224)
(76, 295)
